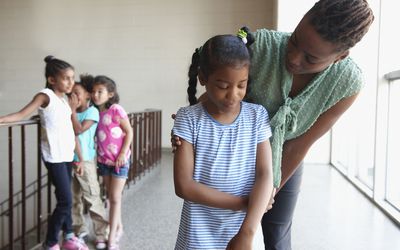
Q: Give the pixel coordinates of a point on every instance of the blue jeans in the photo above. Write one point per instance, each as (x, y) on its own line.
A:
(277, 222)
(61, 219)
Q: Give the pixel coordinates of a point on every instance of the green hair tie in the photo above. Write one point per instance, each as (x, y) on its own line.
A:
(242, 35)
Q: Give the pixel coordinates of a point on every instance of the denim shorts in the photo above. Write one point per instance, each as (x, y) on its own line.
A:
(105, 170)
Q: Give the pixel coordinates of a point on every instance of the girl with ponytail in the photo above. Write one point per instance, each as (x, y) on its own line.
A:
(223, 167)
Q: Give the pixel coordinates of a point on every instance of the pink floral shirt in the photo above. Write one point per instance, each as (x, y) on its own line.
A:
(110, 136)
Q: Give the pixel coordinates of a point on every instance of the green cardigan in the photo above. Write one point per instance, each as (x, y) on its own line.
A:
(271, 84)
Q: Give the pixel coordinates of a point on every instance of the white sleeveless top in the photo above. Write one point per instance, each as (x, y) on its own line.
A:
(57, 134)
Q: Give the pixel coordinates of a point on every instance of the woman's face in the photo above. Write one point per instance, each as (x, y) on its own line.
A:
(308, 52)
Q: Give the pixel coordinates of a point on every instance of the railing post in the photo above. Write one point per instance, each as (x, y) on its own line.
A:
(23, 185)
(10, 192)
(39, 187)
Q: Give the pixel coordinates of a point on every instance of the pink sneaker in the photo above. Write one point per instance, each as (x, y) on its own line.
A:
(55, 247)
(118, 235)
(113, 247)
(74, 244)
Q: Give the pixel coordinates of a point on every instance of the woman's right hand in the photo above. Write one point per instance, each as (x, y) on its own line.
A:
(272, 200)
(175, 140)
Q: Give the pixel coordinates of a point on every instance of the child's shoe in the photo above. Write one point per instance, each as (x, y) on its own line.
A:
(100, 245)
(118, 235)
(74, 244)
(55, 247)
(113, 247)
(83, 236)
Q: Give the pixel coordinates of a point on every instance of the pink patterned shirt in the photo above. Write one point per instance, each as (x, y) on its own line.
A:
(110, 136)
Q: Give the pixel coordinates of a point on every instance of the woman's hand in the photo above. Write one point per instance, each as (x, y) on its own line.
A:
(241, 241)
(272, 200)
(175, 140)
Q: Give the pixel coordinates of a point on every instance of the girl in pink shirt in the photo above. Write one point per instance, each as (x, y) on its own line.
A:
(114, 136)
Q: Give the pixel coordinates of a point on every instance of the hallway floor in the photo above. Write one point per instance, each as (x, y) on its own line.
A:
(331, 214)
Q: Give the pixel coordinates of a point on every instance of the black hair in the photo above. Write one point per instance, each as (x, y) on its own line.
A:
(342, 22)
(110, 86)
(220, 50)
(86, 81)
(54, 67)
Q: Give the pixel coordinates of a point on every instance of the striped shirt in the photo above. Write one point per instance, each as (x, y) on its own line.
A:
(225, 159)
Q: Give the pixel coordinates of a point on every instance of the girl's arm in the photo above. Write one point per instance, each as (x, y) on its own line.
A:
(78, 167)
(295, 150)
(79, 128)
(191, 190)
(39, 100)
(258, 199)
(126, 127)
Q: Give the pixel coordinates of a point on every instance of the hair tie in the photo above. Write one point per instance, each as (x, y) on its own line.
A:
(242, 35)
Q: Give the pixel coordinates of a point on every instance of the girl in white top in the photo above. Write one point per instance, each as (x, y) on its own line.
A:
(57, 147)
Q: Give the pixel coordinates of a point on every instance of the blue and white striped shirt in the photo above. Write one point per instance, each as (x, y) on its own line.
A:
(225, 159)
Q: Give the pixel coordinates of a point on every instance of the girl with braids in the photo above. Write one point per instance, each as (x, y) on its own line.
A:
(114, 136)
(57, 147)
(223, 168)
(306, 81)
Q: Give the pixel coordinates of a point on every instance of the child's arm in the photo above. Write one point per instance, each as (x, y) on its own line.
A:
(79, 128)
(37, 101)
(126, 127)
(258, 199)
(77, 165)
(189, 189)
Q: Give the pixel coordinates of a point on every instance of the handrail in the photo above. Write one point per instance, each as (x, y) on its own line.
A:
(391, 76)
(33, 120)
(146, 153)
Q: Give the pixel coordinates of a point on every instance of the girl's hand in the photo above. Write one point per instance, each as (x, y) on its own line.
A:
(241, 241)
(73, 101)
(120, 161)
(78, 168)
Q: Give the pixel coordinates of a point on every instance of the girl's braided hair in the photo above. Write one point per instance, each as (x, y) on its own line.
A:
(343, 22)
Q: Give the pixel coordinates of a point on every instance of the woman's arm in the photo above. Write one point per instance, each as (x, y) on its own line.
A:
(258, 199)
(191, 190)
(126, 127)
(39, 100)
(295, 150)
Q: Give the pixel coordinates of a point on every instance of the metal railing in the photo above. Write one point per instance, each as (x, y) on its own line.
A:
(24, 212)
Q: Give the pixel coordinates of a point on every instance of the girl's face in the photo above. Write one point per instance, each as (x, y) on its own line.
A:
(82, 95)
(63, 82)
(226, 88)
(308, 53)
(100, 95)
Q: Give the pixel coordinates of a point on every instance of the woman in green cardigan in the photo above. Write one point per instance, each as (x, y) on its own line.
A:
(306, 81)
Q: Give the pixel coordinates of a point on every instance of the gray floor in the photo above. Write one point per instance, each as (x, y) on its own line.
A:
(331, 214)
